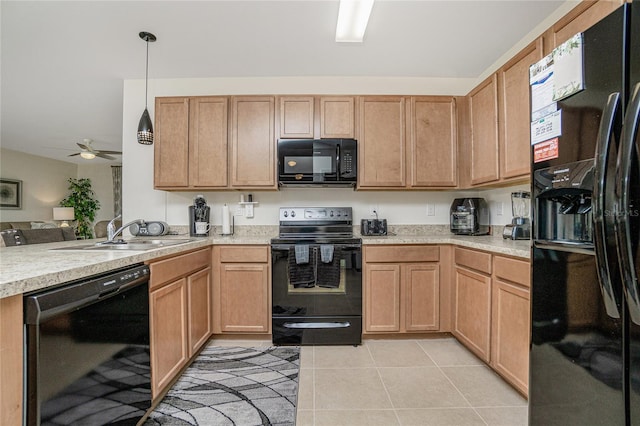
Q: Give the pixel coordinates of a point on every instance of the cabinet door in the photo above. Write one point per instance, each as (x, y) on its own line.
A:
(382, 297)
(421, 294)
(296, 117)
(483, 108)
(199, 296)
(168, 323)
(381, 142)
(253, 143)
(244, 298)
(337, 117)
(510, 333)
(11, 362)
(208, 142)
(579, 19)
(515, 115)
(171, 147)
(473, 311)
(433, 142)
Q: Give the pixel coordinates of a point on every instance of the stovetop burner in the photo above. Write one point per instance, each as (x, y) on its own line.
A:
(315, 225)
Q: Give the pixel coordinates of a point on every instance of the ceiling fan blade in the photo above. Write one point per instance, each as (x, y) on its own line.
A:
(111, 152)
(73, 155)
(83, 146)
(101, 155)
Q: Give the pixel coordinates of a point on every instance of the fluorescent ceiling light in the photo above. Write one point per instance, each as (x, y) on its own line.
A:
(87, 155)
(353, 17)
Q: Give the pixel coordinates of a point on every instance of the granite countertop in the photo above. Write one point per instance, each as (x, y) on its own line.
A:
(34, 267)
(489, 243)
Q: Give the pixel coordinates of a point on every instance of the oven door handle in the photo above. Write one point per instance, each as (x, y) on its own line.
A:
(317, 325)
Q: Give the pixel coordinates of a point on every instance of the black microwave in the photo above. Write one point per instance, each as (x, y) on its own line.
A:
(317, 162)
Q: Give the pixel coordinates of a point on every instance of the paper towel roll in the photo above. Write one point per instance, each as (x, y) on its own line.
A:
(226, 226)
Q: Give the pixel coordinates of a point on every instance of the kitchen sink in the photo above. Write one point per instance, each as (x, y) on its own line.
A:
(140, 245)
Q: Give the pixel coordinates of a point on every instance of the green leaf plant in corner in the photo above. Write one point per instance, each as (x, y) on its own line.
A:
(85, 205)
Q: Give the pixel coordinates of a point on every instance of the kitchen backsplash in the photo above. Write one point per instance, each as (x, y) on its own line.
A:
(398, 207)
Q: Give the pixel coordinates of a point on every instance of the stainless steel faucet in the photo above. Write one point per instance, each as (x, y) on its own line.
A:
(112, 232)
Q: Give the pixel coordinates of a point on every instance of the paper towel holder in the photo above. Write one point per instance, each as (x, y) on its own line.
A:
(231, 228)
(225, 217)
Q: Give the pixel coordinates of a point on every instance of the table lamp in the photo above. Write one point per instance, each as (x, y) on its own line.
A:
(63, 214)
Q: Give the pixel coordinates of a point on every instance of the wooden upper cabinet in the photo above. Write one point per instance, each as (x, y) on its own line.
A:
(514, 113)
(252, 142)
(171, 147)
(191, 142)
(483, 110)
(337, 117)
(433, 146)
(324, 117)
(381, 147)
(208, 157)
(579, 19)
(296, 117)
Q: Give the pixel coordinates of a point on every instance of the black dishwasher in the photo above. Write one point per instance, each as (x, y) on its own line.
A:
(87, 351)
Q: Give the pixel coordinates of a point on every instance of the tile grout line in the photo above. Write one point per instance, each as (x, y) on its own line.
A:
(384, 386)
(455, 387)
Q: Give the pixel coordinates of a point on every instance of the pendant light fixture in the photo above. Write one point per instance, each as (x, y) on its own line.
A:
(145, 127)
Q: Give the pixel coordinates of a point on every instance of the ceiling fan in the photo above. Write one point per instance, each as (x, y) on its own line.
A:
(89, 153)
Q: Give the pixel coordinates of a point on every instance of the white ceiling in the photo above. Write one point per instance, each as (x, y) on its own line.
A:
(63, 63)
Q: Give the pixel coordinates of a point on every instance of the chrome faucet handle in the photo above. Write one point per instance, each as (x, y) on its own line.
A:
(111, 228)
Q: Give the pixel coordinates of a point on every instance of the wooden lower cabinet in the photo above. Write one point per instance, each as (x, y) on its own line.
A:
(492, 312)
(511, 321)
(200, 315)
(168, 322)
(472, 325)
(401, 295)
(11, 343)
(180, 314)
(381, 298)
(242, 289)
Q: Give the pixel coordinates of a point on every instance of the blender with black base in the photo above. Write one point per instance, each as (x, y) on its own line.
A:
(520, 226)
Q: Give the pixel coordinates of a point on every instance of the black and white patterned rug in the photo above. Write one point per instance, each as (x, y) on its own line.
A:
(234, 386)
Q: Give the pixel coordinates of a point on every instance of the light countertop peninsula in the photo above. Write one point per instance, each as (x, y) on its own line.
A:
(34, 267)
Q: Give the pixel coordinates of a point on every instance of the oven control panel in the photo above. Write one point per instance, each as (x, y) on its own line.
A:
(298, 214)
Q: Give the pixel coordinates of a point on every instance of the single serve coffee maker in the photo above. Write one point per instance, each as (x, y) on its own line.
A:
(199, 214)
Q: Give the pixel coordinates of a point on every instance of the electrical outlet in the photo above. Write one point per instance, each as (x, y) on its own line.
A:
(431, 209)
(373, 209)
(239, 211)
(500, 211)
(248, 210)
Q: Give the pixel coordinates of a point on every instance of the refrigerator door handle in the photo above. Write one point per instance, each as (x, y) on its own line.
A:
(623, 208)
(599, 220)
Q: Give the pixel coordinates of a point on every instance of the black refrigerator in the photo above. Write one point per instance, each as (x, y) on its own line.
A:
(585, 301)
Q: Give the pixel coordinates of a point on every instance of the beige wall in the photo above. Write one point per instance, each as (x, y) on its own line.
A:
(102, 184)
(45, 184)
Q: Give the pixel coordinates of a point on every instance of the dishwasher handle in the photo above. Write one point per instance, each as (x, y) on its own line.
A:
(39, 307)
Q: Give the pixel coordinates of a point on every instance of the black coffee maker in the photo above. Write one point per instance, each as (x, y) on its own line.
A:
(199, 214)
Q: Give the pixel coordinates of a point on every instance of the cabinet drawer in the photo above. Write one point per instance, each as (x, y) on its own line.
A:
(170, 269)
(517, 271)
(473, 259)
(395, 254)
(244, 254)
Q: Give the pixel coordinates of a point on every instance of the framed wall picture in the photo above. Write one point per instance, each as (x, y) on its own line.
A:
(10, 194)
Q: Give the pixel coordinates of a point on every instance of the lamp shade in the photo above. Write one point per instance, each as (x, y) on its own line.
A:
(63, 213)
(145, 129)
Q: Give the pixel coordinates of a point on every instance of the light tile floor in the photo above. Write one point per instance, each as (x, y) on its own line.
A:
(403, 382)
(400, 382)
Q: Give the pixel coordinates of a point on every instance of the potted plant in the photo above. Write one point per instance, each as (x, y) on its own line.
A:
(82, 199)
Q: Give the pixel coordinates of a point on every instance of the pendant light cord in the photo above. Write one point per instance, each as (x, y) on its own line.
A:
(146, 78)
